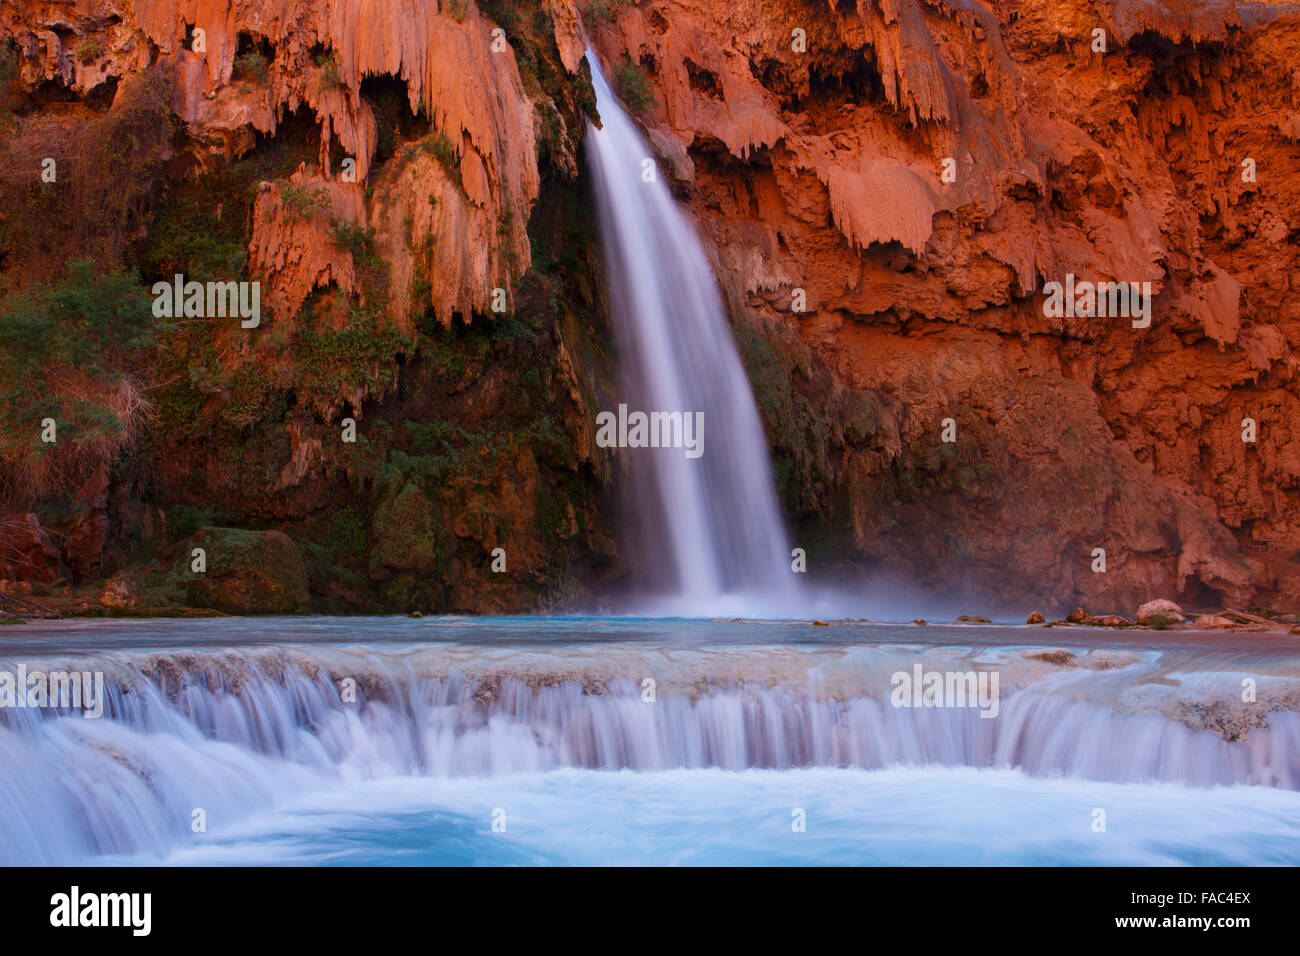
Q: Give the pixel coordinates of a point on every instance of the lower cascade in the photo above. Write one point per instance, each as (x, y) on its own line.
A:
(236, 730)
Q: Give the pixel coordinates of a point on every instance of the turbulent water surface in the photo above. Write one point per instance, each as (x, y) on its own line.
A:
(632, 741)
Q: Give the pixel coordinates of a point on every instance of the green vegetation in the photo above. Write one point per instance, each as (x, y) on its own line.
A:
(633, 86)
(440, 147)
(251, 66)
(65, 351)
(302, 203)
(597, 13)
(184, 520)
(356, 359)
(88, 51)
(329, 66)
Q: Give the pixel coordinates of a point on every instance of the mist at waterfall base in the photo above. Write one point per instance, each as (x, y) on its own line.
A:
(546, 722)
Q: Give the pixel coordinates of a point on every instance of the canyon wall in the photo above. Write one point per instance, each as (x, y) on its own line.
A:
(1122, 141)
(886, 187)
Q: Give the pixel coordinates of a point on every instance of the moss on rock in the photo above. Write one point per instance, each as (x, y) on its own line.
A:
(247, 572)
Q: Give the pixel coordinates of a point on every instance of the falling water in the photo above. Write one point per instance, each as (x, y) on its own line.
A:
(707, 529)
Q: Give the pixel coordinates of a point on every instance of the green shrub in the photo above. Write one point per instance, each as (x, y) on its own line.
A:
(88, 51)
(441, 149)
(301, 202)
(329, 65)
(633, 87)
(251, 66)
(67, 350)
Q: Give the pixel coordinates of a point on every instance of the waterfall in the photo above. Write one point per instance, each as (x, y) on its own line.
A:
(706, 531)
(235, 731)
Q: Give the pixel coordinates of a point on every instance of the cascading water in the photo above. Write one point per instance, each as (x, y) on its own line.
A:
(707, 530)
(240, 732)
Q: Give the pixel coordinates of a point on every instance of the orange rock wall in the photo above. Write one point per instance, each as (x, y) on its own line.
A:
(820, 168)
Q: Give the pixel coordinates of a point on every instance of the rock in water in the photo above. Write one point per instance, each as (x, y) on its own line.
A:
(1212, 622)
(1079, 616)
(1160, 611)
(1110, 620)
(1035, 617)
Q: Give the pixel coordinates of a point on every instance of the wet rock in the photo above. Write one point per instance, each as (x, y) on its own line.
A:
(1078, 616)
(1035, 617)
(974, 619)
(920, 620)
(1060, 658)
(1213, 622)
(1110, 620)
(817, 623)
(1160, 611)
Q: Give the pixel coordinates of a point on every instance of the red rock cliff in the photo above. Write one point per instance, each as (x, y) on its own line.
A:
(886, 188)
(812, 139)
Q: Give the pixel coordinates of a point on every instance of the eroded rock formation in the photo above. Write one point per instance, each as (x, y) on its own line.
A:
(812, 139)
(885, 186)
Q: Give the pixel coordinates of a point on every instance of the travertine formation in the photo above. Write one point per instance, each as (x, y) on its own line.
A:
(885, 186)
(318, 55)
(1109, 140)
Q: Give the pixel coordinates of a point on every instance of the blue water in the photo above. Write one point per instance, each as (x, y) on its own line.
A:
(893, 817)
(544, 721)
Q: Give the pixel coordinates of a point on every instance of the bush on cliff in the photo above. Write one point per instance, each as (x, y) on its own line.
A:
(247, 572)
(69, 351)
(100, 187)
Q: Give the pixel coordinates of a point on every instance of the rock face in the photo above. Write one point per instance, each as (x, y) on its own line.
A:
(248, 572)
(888, 189)
(26, 551)
(912, 175)
(84, 550)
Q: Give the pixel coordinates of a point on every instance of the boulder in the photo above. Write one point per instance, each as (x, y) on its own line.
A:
(248, 572)
(1160, 611)
(1110, 620)
(1213, 622)
(1035, 617)
(121, 591)
(1078, 616)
